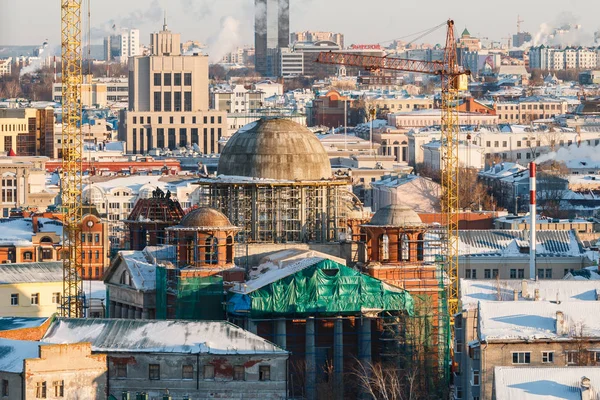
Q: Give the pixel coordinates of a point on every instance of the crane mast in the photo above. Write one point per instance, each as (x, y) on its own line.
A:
(452, 81)
(72, 149)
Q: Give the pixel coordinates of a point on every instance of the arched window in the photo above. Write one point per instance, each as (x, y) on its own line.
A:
(46, 240)
(125, 278)
(229, 250)
(212, 250)
(404, 248)
(420, 246)
(384, 247)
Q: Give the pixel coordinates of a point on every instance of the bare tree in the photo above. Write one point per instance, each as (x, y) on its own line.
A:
(382, 382)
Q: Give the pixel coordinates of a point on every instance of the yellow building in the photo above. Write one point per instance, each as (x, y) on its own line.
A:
(30, 289)
(27, 131)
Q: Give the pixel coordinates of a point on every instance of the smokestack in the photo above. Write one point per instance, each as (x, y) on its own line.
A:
(532, 212)
(54, 69)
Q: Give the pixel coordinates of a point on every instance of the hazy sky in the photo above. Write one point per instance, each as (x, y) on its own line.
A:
(29, 22)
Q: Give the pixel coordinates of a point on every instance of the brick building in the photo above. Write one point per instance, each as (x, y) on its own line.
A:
(328, 110)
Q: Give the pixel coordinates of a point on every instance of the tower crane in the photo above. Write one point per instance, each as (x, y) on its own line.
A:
(72, 149)
(453, 79)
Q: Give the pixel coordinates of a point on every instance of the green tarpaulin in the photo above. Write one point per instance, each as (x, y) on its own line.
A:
(325, 288)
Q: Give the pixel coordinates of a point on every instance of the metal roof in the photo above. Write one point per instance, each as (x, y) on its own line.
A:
(31, 272)
(496, 241)
(12, 323)
(154, 336)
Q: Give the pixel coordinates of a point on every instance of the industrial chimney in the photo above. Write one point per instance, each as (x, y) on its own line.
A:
(532, 212)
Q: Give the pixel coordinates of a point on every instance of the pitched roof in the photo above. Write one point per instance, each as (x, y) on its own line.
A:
(153, 336)
(465, 32)
(31, 272)
(511, 242)
(530, 320)
(13, 323)
(548, 383)
(474, 291)
(13, 352)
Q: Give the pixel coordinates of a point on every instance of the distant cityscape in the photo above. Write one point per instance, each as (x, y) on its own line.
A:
(296, 216)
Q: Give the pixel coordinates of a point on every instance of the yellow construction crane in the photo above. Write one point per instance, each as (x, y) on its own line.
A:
(453, 78)
(72, 149)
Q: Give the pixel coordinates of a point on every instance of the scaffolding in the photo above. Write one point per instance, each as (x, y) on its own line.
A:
(281, 211)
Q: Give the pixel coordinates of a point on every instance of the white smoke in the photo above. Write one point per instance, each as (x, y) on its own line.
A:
(44, 53)
(153, 14)
(573, 152)
(226, 40)
(562, 32)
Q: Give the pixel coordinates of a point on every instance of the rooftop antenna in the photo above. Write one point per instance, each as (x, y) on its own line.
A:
(165, 28)
(519, 21)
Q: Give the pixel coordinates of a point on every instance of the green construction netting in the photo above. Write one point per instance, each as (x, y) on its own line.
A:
(190, 298)
(325, 288)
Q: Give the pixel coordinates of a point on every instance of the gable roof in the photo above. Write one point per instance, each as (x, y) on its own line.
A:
(154, 336)
(317, 286)
(141, 271)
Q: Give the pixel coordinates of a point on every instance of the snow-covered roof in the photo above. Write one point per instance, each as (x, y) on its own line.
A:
(143, 273)
(544, 383)
(152, 336)
(94, 289)
(19, 231)
(13, 352)
(31, 272)
(474, 291)
(514, 243)
(531, 320)
(12, 323)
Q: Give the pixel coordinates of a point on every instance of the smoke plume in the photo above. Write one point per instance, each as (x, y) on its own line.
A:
(573, 152)
(562, 32)
(226, 40)
(153, 14)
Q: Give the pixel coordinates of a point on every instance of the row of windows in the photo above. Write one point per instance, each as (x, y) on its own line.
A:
(89, 258)
(187, 372)
(572, 356)
(160, 79)
(89, 238)
(41, 390)
(35, 299)
(531, 107)
(148, 119)
(515, 273)
(13, 128)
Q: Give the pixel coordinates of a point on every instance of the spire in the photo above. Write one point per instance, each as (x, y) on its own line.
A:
(165, 28)
(465, 33)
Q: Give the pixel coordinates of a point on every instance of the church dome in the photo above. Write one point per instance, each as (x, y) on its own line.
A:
(205, 218)
(275, 148)
(396, 215)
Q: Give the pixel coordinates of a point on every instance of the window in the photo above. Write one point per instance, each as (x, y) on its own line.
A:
(596, 356)
(475, 377)
(97, 238)
(487, 274)
(264, 373)
(157, 101)
(468, 273)
(571, 357)
(183, 120)
(59, 388)
(83, 238)
(209, 372)
(167, 105)
(177, 101)
(548, 274)
(154, 372)
(4, 388)
(14, 299)
(494, 273)
(476, 354)
(35, 299)
(177, 79)
(121, 370)
(157, 79)
(474, 273)
(187, 103)
(521, 358)
(459, 393)
(459, 346)
(521, 273)
(40, 390)
(167, 80)
(239, 373)
(28, 256)
(518, 143)
(46, 254)
(187, 79)
(135, 120)
(56, 298)
(547, 357)
(97, 255)
(187, 372)
(540, 273)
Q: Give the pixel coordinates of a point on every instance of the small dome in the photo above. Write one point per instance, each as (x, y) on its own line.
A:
(396, 215)
(275, 148)
(205, 217)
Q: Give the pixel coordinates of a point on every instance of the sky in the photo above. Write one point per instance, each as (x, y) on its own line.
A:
(228, 23)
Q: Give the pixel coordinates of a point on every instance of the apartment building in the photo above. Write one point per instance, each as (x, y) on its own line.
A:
(98, 92)
(500, 322)
(550, 58)
(236, 99)
(5, 66)
(122, 46)
(529, 109)
(27, 131)
(317, 36)
(169, 101)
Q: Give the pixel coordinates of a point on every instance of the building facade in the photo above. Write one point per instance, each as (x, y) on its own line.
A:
(271, 33)
(98, 92)
(27, 131)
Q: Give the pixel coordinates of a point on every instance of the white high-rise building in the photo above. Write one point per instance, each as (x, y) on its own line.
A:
(120, 47)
